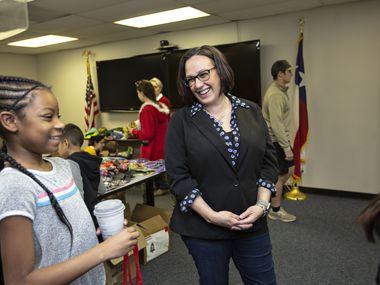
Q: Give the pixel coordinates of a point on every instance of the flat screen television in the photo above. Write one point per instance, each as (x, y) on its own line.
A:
(116, 77)
(116, 80)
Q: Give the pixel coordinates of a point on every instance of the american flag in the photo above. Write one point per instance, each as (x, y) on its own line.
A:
(301, 116)
(91, 108)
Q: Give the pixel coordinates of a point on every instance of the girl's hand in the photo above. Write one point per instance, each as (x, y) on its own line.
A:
(121, 243)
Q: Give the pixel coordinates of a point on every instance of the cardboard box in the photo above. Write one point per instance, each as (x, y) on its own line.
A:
(156, 233)
(143, 212)
(153, 223)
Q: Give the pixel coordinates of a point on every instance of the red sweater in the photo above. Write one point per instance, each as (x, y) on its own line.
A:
(154, 123)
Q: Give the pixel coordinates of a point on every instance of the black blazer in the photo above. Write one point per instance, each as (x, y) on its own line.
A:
(196, 157)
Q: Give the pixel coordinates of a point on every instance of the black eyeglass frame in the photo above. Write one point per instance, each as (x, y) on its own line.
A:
(194, 78)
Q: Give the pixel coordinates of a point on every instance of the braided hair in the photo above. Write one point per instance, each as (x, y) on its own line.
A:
(15, 94)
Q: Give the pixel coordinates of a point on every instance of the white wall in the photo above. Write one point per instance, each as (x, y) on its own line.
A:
(18, 65)
(341, 54)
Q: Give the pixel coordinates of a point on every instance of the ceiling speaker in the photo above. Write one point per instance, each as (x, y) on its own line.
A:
(13, 17)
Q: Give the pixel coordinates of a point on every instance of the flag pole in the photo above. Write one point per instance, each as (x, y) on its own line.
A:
(91, 109)
(295, 193)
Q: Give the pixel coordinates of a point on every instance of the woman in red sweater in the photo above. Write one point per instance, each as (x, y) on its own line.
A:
(153, 117)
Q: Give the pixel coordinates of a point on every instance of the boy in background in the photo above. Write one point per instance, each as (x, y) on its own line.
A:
(112, 147)
(95, 145)
(70, 148)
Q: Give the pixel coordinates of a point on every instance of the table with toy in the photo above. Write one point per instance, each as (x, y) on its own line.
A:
(121, 174)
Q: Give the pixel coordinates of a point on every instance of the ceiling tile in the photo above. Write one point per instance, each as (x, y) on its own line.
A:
(126, 35)
(131, 9)
(64, 24)
(74, 6)
(38, 14)
(270, 9)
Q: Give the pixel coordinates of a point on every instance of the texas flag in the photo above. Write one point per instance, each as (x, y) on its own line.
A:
(301, 118)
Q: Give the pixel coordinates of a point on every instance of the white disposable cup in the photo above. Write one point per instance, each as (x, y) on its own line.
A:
(110, 216)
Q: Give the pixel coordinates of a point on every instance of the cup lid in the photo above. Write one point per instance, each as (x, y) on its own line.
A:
(108, 206)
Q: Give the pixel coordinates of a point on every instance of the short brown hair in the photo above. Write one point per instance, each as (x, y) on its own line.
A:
(279, 66)
(222, 67)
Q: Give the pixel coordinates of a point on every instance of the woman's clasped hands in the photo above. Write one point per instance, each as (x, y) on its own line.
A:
(236, 222)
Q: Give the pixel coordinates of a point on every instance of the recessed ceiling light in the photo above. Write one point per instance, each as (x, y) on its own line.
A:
(42, 41)
(164, 17)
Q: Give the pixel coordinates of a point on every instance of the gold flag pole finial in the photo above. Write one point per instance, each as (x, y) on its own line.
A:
(86, 54)
(301, 23)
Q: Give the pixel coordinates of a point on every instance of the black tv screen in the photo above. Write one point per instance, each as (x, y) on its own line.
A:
(170, 86)
(244, 59)
(116, 80)
(116, 77)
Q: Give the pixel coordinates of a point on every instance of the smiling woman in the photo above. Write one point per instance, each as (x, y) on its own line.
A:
(48, 203)
(222, 168)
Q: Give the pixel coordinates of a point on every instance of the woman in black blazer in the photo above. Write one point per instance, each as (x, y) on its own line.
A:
(222, 168)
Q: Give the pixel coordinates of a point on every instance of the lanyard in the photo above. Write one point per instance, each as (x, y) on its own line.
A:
(127, 268)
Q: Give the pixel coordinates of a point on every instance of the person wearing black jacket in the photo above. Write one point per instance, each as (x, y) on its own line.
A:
(70, 147)
(222, 167)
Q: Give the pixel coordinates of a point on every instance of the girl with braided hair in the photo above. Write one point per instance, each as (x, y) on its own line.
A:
(46, 232)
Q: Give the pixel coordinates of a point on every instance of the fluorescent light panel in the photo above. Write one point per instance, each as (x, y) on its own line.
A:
(42, 41)
(164, 17)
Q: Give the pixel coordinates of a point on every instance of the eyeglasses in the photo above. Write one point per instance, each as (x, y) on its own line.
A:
(202, 76)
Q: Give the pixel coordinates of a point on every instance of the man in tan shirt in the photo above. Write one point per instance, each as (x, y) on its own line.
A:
(276, 112)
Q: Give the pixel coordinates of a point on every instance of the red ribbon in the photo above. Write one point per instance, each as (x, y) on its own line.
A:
(127, 268)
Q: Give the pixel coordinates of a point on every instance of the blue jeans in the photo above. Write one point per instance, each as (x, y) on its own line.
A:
(252, 256)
